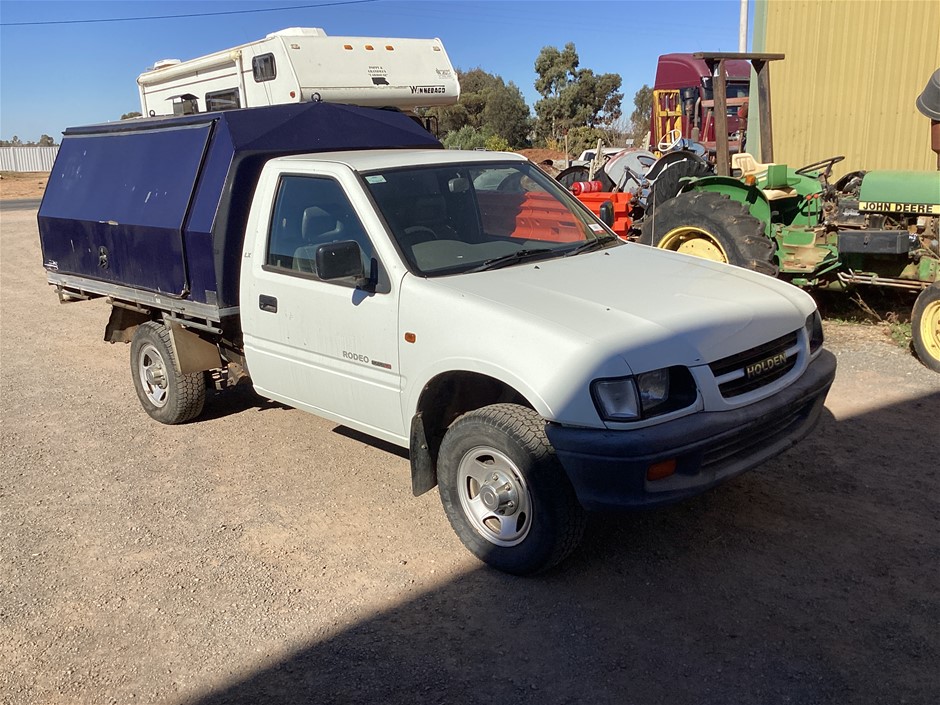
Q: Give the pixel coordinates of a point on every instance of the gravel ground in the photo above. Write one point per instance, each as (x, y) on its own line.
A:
(263, 555)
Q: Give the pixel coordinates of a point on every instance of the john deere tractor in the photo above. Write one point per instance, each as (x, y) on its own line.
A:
(880, 228)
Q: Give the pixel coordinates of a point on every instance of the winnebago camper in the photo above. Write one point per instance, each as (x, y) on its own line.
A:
(302, 64)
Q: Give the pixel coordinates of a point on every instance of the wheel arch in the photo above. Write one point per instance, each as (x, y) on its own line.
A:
(192, 351)
(444, 398)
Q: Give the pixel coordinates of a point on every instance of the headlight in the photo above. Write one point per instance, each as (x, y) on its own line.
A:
(814, 332)
(649, 394)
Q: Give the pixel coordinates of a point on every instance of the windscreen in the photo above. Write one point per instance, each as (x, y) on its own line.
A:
(458, 218)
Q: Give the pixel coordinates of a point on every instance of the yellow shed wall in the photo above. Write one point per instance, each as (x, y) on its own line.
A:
(852, 72)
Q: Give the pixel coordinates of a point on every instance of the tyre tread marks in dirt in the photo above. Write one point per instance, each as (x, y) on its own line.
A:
(556, 508)
(729, 222)
(186, 392)
(927, 342)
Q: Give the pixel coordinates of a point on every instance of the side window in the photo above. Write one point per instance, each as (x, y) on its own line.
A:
(263, 68)
(311, 211)
(222, 100)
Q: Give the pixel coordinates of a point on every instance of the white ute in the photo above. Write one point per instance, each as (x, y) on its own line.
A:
(462, 305)
(534, 364)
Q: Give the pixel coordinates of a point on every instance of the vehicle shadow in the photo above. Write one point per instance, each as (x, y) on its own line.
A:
(234, 400)
(811, 580)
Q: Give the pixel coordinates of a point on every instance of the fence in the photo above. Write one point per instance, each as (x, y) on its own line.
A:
(27, 158)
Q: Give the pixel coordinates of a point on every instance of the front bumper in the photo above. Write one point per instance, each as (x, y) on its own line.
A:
(608, 468)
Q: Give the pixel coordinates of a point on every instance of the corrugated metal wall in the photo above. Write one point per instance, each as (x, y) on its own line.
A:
(27, 158)
(852, 72)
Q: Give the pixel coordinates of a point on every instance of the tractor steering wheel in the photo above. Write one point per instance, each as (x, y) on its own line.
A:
(670, 141)
(828, 163)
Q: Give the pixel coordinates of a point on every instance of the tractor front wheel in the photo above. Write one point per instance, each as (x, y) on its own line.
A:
(712, 226)
(925, 326)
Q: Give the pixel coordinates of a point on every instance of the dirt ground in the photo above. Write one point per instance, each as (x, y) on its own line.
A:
(263, 555)
(15, 184)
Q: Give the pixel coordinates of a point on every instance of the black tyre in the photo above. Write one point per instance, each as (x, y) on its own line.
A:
(667, 184)
(504, 491)
(580, 173)
(925, 327)
(166, 395)
(712, 226)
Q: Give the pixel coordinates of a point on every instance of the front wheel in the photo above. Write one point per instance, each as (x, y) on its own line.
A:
(711, 226)
(166, 395)
(504, 491)
(925, 327)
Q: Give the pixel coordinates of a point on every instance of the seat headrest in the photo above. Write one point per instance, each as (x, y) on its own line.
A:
(316, 222)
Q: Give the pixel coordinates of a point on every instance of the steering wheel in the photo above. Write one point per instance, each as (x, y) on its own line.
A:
(670, 141)
(828, 163)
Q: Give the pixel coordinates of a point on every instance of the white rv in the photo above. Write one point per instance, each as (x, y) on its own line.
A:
(302, 64)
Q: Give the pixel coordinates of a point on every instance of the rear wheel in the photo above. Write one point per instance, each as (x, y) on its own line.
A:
(568, 176)
(925, 327)
(166, 395)
(667, 184)
(712, 226)
(504, 491)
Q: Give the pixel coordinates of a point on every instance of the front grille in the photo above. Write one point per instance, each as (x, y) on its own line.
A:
(757, 367)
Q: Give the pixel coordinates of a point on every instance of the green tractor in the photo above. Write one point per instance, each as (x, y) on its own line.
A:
(880, 228)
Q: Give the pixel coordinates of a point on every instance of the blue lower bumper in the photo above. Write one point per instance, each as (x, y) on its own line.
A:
(608, 468)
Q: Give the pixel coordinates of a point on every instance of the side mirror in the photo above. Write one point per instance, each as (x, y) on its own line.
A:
(607, 213)
(341, 260)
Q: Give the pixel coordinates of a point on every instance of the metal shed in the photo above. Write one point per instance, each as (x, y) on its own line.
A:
(852, 72)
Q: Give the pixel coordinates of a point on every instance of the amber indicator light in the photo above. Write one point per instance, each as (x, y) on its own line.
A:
(658, 471)
(410, 337)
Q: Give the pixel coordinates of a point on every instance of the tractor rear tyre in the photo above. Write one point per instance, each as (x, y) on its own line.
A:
(925, 327)
(667, 184)
(712, 226)
(580, 173)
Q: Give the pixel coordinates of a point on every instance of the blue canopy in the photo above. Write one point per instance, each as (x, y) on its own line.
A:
(160, 203)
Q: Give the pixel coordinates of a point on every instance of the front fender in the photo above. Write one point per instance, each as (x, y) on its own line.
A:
(735, 189)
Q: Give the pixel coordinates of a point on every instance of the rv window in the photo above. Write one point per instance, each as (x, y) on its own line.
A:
(222, 100)
(263, 68)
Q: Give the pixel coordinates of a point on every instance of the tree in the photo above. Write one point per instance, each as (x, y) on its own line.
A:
(488, 105)
(641, 115)
(128, 116)
(572, 96)
(46, 141)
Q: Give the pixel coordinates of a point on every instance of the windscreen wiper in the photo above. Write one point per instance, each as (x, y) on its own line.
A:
(594, 244)
(512, 258)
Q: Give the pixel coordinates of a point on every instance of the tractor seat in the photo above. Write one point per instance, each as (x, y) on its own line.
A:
(746, 164)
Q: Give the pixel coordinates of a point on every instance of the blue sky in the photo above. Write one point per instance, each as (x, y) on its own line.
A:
(53, 76)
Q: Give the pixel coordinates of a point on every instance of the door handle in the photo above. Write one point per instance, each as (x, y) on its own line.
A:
(267, 303)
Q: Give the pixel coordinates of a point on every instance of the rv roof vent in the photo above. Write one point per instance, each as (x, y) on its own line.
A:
(165, 63)
(298, 32)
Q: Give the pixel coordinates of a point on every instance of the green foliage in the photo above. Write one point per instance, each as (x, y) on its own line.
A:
(486, 104)
(128, 116)
(584, 137)
(467, 137)
(44, 141)
(496, 143)
(641, 115)
(572, 97)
